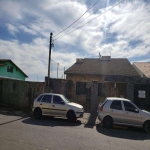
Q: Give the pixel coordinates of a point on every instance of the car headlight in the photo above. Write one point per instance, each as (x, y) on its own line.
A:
(80, 110)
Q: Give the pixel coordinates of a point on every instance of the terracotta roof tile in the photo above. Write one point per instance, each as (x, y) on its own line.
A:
(143, 67)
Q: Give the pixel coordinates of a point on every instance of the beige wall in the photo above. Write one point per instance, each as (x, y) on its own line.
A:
(112, 88)
(82, 99)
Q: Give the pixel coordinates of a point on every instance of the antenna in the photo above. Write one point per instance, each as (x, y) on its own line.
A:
(100, 55)
(110, 54)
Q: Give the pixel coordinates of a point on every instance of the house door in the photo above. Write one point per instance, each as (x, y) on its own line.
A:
(142, 95)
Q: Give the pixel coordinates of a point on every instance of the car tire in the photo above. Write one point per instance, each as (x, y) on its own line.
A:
(71, 116)
(108, 122)
(147, 127)
(37, 113)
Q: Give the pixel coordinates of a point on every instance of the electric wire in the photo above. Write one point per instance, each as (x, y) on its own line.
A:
(90, 20)
(77, 19)
(83, 19)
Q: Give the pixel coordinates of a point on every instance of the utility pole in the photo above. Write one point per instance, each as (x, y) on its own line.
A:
(64, 72)
(57, 70)
(50, 47)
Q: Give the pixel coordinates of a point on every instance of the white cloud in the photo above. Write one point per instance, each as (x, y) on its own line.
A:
(10, 10)
(25, 29)
(33, 58)
(12, 29)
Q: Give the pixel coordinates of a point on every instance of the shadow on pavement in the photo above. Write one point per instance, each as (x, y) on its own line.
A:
(12, 121)
(22, 116)
(50, 121)
(124, 132)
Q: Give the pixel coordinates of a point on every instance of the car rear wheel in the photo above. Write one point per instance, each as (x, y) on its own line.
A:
(37, 113)
(71, 116)
(108, 122)
(147, 127)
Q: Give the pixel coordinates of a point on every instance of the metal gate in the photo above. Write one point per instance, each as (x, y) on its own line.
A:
(142, 95)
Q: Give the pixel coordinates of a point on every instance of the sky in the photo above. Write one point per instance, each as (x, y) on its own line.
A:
(120, 28)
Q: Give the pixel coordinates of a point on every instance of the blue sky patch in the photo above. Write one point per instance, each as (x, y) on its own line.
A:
(135, 43)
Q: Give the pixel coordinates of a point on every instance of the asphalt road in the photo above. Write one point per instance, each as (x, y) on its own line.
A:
(26, 133)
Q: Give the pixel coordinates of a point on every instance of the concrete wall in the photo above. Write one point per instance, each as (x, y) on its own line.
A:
(22, 93)
(19, 93)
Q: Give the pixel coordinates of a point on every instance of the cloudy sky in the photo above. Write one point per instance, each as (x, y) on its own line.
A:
(25, 26)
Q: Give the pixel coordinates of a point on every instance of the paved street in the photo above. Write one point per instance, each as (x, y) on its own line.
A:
(26, 133)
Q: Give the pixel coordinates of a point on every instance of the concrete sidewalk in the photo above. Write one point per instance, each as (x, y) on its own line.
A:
(89, 119)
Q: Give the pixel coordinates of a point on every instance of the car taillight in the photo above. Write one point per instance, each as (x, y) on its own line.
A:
(101, 108)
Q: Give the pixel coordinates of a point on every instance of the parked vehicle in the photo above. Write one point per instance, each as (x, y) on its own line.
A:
(122, 111)
(56, 105)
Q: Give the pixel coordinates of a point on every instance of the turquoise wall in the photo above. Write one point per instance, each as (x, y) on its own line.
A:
(17, 74)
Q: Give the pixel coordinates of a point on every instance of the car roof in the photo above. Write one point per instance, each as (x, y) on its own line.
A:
(51, 94)
(117, 98)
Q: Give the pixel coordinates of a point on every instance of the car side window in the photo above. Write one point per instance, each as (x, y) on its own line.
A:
(129, 107)
(39, 99)
(116, 105)
(57, 99)
(47, 99)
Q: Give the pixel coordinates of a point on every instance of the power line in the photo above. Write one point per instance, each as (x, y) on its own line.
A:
(77, 19)
(56, 63)
(90, 20)
(83, 19)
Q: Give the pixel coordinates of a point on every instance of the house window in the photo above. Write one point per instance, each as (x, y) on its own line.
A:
(9, 69)
(83, 88)
(80, 88)
(101, 89)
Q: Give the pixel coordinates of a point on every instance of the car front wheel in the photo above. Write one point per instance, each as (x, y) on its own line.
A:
(71, 116)
(147, 127)
(37, 113)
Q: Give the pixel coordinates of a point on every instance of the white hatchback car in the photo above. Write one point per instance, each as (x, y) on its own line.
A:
(122, 111)
(56, 105)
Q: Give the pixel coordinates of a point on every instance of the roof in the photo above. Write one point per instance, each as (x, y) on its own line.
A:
(117, 98)
(3, 62)
(143, 68)
(114, 66)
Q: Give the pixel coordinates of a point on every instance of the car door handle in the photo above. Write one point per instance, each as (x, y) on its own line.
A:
(53, 105)
(126, 113)
(111, 110)
(40, 104)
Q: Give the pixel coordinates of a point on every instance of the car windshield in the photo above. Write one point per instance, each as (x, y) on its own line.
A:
(65, 99)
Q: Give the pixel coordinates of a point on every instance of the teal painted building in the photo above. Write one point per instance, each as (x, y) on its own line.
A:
(9, 70)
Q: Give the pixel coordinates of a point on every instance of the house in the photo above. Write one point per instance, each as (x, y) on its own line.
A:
(8, 69)
(115, 77)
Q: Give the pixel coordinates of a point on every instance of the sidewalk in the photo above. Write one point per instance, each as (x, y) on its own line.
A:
(87, 119)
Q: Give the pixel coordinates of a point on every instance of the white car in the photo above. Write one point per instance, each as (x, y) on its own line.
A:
(56, 105)
(122, 111)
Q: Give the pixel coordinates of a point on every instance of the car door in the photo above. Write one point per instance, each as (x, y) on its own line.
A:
(116, 111)
(46, 104)
(59, 107)
(132, 115)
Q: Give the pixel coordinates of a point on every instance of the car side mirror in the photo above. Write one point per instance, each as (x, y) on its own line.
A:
(62, 102)
(136, 111)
